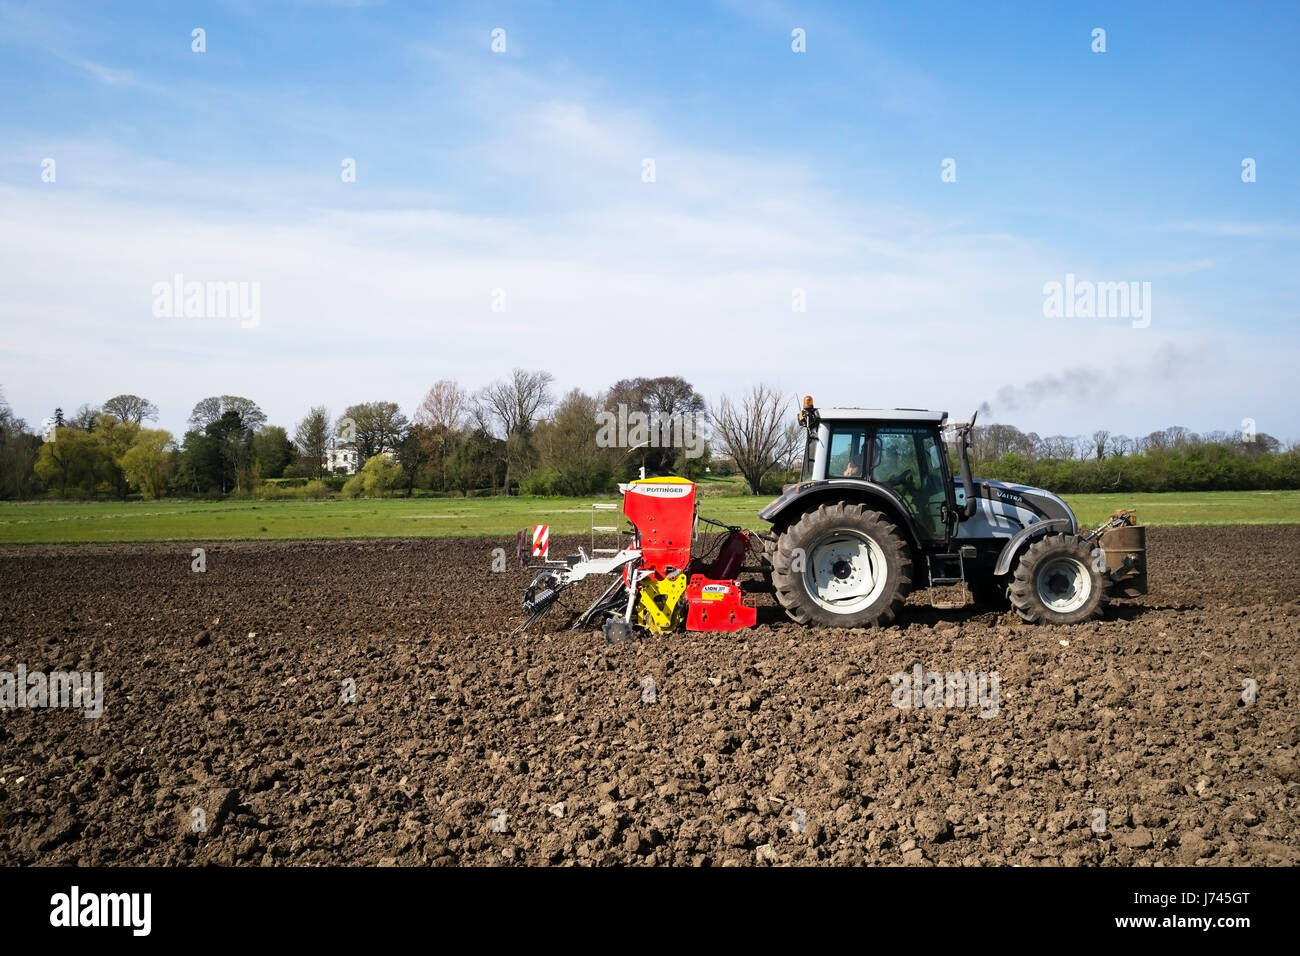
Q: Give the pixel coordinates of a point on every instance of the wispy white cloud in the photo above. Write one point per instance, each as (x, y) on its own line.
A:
(1237, 230)
(109, 76)
(371, 291)
(1186, 268)
(359, 304)
(25, 28)
(892, 83)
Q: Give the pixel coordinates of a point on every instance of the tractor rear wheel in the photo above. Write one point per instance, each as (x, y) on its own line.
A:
(1056, 582)
(841, 565)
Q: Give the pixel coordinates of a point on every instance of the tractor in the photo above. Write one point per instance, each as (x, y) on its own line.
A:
(875, 513)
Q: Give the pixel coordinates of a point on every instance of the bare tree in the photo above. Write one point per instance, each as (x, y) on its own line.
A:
(131, 408)
(1262, 444)
(85, 418)
(1057, 447)
(754, 432)
(671, 395)
(991, 442)
(444, 412)
(794, 442)
(209, 410)
(1100, 442)
(445, 406)
(509, 409)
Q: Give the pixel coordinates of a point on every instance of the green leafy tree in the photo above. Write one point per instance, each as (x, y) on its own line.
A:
(312, 437)
(18, 451)
(372, 428)
(74, 460)
(115, 437)
(415, 453)
(218, 457)
(568, 451)
(199, 468)
(380, 475)
(234, 439)
(471, 461)
(272, 451)
(662, 400)
(149, 462)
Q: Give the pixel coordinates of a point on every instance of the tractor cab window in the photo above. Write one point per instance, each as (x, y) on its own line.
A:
(907, 461)
(848, 447)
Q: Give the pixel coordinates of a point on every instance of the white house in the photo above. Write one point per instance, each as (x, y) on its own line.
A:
(341, 458)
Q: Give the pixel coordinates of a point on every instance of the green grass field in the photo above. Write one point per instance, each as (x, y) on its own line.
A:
(51, 522)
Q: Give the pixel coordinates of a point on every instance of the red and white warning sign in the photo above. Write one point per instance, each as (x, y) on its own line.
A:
(541, 540)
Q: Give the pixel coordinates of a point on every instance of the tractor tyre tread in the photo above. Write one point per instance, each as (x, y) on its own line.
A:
(1023, 591)
(788, 583)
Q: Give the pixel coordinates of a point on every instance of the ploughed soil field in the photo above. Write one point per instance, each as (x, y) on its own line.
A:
(1165, 734)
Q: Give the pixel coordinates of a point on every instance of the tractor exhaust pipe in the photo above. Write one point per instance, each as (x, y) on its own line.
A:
(967, 484)
(963, 458)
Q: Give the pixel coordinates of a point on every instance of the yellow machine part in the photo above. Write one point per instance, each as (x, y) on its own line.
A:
(659, 606)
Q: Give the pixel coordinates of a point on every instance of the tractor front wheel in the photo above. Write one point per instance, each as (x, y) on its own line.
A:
(1057, 582)
(841, 565)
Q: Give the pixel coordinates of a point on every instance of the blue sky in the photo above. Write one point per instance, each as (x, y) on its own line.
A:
(522, 172)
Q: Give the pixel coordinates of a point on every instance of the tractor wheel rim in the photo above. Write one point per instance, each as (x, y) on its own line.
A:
(845, 572)
(1063, 585)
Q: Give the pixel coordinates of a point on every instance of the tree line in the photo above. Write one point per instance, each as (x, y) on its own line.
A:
(516, 436)
(1170, 459)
